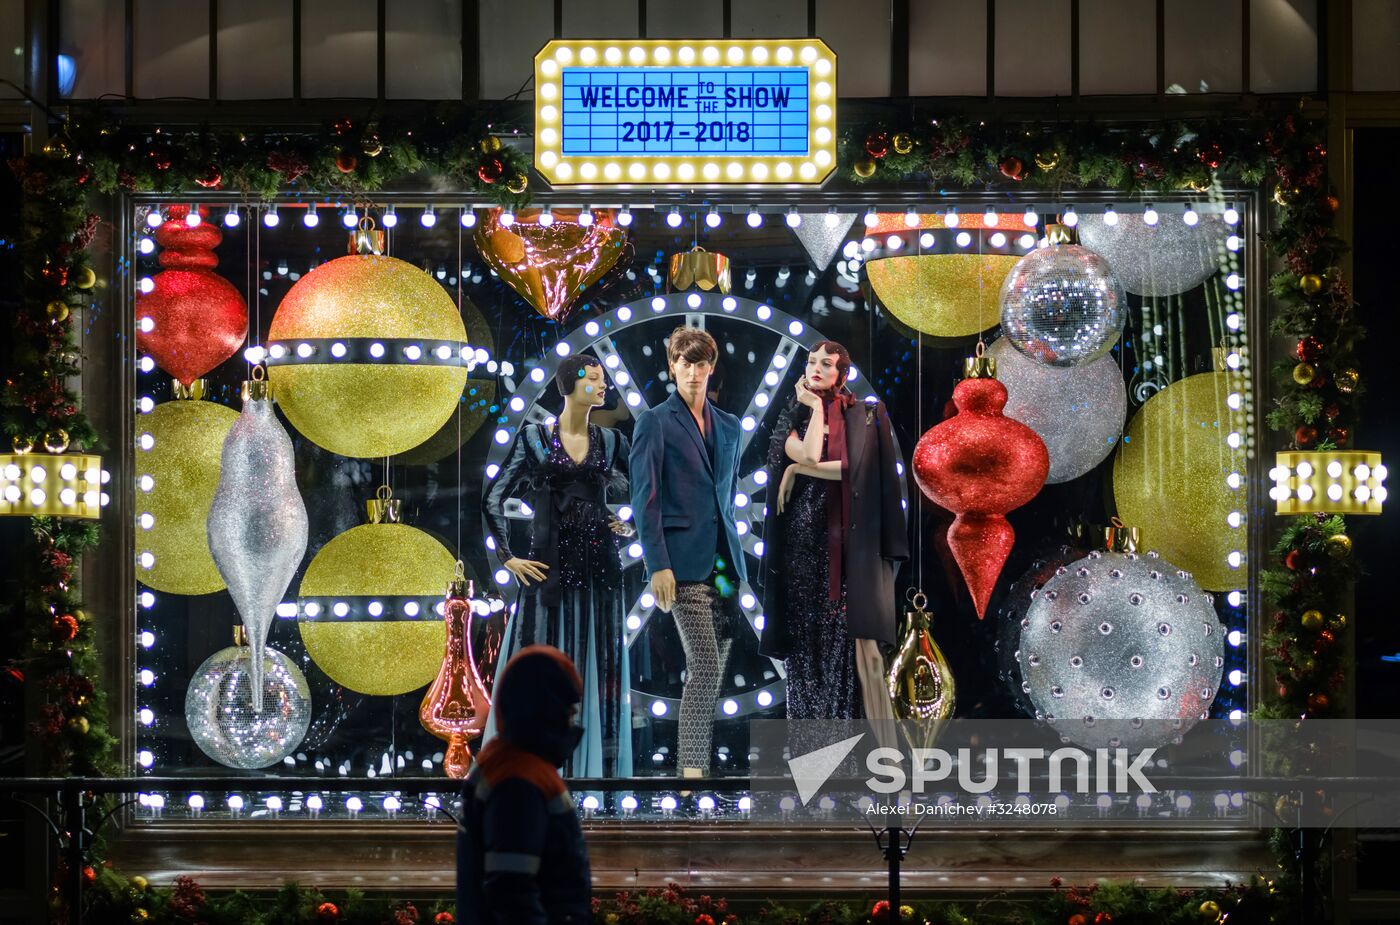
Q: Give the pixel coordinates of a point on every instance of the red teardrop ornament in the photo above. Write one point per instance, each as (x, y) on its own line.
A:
(198, 319)
(980, 464)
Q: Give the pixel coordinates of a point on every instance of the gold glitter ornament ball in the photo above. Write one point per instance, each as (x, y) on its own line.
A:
(175, 483)
(1170, 478)
(374, 407)
(942, 295)
(389, 654)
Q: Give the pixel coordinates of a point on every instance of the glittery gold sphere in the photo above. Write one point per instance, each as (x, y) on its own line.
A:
(57, 311)
(1311, 619)
(175, 483)
(942, 295)
(1310, 283)
(367, 409)
(864, 168)
(385, 656)
(1304, 373)
(1169, 478)
(86, 278)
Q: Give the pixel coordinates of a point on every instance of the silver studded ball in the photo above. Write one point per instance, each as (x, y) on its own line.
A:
(1012, 614)
(1121, 651)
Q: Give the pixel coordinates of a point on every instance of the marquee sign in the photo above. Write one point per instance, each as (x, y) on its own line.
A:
(673, 112)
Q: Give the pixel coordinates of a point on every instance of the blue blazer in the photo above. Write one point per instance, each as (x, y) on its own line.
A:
(679, 499)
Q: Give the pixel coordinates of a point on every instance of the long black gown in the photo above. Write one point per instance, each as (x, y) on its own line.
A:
(581, 608)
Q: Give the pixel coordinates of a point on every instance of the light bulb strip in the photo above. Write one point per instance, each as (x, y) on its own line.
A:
(1328, 482)
(52, 485)
(360, 608)
(402, 351)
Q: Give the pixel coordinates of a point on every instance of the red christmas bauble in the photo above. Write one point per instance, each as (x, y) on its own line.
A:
(1333, 411)
(1318, 703)
(160, 157)
(65, 627)
(327, 912)
(444, 918)
(346, 162)
(1340, 436)
(1309, 350)
(211, 178)
(1305, 436)
(979, 465)
(491, 170)
(197, 318)
(342, 126)
(1103, 918)
(1293, 560)
(877, 145)
(1012, 168)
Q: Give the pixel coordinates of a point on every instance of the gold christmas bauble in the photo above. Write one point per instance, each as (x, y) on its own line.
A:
(1311, 619)
(1304, 373)
(864, 168)
(57, 311)
(392, 653)
(374, 407)
(1347, 380)
(56, 148)
(1047, 160)
(902, 143)
(1169, 478)
(1339, 546)
(80, 725)
(56, 440)
(518, 183)
(175, 483)
(22, 444)
(140, 882)
(942, 295)
(1339, 621)
(86, 278)
(1209, 910)
(1310, 283)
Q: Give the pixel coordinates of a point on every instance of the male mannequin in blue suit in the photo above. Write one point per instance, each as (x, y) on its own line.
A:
(685, 473)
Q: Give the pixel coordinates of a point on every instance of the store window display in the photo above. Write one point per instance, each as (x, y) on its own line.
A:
(571, 580)
(685, 465)
(836, 533)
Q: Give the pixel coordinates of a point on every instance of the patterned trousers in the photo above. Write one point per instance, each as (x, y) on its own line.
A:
(699, 612)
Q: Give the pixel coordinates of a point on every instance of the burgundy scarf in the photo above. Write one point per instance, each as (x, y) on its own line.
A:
(838, 493)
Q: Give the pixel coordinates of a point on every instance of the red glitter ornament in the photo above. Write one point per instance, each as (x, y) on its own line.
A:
(197, 318)
(491, 170)
(1309, 350)
(979, 465)
(65, 627)
(1318, 703)
(211, 178)
(1305, 436)
(327, 912)
(444, 918)
(346, 162)
(1293, 560)
(1340, 437)
(1012, 167)
(877, 145)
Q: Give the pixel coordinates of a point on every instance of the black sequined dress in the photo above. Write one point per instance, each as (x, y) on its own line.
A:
(821, 664)
(581, 608)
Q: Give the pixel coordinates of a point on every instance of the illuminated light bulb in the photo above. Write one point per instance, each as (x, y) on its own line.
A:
(1110, 217)
(314, 803)
(585, 217)
(989, 218)
(147, 717)
(154, 218)
(1362, 493)
(147, 284)
(673, 217)
(305, 350)
(1334, 492)
(192, 218)
(1030, 218)
(147, 677)
(1234, 598)
(1233, 519)
(69, 497)
(1305, 470)
(831, 219)
(147, 560)
(1190, 217)
(350, 217)
(546, 218)
(147, 520)
(270, 217)
(624, 218)
(354, 804)
(1334, 469)
(712, 218)
(1233, 242)
(950, 218)
(658, 708)
(764, 698)
(145, 245)
(926, 240)
(794, 218)
(1070, 218)
(1232, 217)
(998, 240)
(1233, 480)
(274, 804)
(1149, 215)
(1235, 558)
(693, 300)
(755, 217)
(429, 217)
(963, 239)
(231, 218)
(311, 219)
(376, 350)
(911, 219)
(1362, 472)
(1380, 472)
(391, 218)
(894, 242)
(255, 355)
(1027, 241)
(1233, 321)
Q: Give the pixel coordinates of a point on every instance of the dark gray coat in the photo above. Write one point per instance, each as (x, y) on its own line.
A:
(878, 535)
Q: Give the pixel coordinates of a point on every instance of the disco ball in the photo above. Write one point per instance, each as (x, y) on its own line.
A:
(1121, 650)
(1061, 305)
(219, 708)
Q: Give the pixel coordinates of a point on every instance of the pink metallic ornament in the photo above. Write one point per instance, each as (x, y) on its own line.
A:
(550, 263)
(456, 705)
(979, 465)
(196, 318)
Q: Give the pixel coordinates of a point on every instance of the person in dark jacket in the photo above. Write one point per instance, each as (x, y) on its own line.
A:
(834, 533)
(521, 858)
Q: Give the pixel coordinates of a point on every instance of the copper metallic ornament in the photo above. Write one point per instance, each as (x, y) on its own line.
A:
(1169, 476)
(979, 465)
(550, 266)
(175, 483)
(197, 319)
(699, 268)
(920, 683)
(942, 295)
(456, 705)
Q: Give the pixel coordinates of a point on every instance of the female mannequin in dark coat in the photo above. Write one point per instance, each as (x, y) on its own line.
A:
(834, 495)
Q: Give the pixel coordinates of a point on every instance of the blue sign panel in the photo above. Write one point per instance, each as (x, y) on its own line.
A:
(651, 111)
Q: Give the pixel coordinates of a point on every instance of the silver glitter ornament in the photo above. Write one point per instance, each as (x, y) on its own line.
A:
(257, 523)
(1078, 411)
(1157, 260)
(220, 714)
(1121, 650)
(1011, 619)
(822, 234)
(1061, 306)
